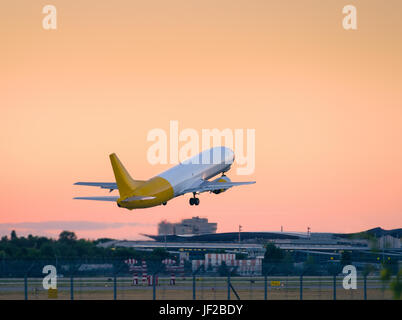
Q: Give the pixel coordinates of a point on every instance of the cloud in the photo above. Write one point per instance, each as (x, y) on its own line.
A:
(50, 227)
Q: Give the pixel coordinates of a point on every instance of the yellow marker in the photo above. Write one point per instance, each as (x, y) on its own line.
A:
(275, 283)
(52, 293)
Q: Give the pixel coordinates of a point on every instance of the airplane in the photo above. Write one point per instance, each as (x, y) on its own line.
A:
(190, 176)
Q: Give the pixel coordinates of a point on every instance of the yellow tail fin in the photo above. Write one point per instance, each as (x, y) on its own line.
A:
(125, 183)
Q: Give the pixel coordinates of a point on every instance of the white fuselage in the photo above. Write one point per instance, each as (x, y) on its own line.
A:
(205, 165)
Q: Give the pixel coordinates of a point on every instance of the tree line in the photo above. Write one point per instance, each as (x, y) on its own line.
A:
(68, 246)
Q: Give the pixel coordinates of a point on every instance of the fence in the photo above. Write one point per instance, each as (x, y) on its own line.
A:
(77, 280)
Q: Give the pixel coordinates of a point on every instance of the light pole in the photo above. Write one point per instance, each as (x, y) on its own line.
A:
(239, 238)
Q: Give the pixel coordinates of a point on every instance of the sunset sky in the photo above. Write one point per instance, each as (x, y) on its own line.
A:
(326, 104)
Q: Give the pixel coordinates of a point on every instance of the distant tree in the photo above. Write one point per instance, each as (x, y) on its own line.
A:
(102, 240)
(67, 236)
(273, 254)
(385, 276)
(46, 251)
(396, 286)
(273, 259)
(13, 235)
(287, 263)
(22, 253)
(32, 253)
(40, 241)
(160, 254)
(154, 261)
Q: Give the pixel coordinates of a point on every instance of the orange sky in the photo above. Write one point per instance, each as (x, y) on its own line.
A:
(326, 105)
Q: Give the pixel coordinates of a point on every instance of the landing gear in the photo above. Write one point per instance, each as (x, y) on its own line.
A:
(164, 203)
(194, 201)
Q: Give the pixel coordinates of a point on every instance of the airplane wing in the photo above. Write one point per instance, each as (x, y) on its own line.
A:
(212, 186)
(104, 185)
(115, 198)
(112, 198)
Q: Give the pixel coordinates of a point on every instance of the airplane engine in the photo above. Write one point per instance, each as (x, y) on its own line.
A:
(222, 179)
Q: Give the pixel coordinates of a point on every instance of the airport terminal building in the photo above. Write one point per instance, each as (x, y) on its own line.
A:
(198, 240)
(195, 225)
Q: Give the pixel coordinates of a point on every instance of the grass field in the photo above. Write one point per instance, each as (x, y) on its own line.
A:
(207, 288)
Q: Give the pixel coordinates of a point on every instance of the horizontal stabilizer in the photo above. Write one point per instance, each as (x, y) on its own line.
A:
(135, 198)
(111, 198)
(103, 185)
